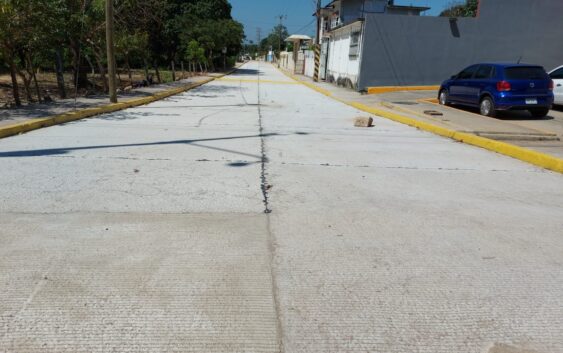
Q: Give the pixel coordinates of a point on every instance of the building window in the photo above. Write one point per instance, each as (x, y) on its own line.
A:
(354, 44)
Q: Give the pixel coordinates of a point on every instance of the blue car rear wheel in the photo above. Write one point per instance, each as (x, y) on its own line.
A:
(487, 107)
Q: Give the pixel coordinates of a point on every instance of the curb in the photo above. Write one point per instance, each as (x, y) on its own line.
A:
(387, 89)
(34, 124)
(536, 158)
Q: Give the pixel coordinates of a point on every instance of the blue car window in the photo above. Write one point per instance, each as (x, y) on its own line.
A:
(557, 74)
(525, 73)
(467, 73)
(484, 72)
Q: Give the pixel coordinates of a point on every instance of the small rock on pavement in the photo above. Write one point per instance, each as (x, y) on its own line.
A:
(363, 122)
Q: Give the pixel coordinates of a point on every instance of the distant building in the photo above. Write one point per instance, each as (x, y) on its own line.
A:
(342, 32)
(377, 43)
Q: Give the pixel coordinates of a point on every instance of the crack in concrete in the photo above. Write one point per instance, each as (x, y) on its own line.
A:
(271, 241)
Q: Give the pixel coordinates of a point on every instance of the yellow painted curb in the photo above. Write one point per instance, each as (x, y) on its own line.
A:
(34, 124)
(386, 89)
(536, 158)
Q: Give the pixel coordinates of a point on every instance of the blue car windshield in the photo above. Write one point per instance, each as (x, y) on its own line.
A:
(525, 73)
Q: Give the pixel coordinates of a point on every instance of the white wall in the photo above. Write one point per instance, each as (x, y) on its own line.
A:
(341, 67)
(309, 63)
(286, 61)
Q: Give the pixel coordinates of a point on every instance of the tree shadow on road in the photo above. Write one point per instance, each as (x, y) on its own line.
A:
(246, 72)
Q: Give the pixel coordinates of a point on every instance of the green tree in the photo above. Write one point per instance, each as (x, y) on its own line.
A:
(467, 9)
(128, 44)
(195, 55)
(275, 40)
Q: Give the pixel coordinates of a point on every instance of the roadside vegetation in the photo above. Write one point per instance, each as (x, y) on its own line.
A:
(49, 46)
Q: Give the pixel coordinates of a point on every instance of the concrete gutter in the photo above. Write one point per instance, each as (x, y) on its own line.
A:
(34, 124)
(386, 89)
(536, 158)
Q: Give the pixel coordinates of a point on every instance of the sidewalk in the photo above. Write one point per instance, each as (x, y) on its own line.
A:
(38, 110)
(517, 128)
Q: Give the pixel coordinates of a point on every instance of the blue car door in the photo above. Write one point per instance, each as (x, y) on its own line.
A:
(459, 88)
(478, 84)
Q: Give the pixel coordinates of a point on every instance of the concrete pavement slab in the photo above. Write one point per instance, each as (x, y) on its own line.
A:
(393, 240)
(144, 282)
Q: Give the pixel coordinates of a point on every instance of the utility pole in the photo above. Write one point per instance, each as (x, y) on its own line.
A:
(317, 48)
(281, 17)
(258, 40)
(318, 41)
(110, 51)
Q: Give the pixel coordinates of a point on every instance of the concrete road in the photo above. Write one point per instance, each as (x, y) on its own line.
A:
(249, 215)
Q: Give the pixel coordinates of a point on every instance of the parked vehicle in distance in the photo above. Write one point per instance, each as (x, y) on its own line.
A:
(494, 87)
(557, 77)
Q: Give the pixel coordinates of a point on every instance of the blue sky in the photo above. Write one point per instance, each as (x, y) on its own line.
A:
(262, 13)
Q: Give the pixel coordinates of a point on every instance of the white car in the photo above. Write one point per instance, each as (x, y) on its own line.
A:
(557, 77)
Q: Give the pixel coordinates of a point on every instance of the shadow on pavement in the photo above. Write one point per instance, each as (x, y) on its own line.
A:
(247, 72)
(66, 150)
(504, 115)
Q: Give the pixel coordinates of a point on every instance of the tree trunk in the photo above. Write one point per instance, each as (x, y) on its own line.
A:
(59, 68)
(211, 64)
(37, 89)
(129, 74)
(80, 76)
(31, 70)
(200, 68)
(173, 71)
(182, 64)
(102, 69)
(92, 67)
(157, 72)
(26, 86)
(15, 88)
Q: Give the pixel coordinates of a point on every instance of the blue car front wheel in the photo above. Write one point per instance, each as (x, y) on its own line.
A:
(443, 97)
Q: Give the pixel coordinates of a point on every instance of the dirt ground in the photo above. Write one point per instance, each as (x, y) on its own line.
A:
(48, 84)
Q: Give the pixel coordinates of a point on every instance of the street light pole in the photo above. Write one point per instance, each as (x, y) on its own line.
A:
(110, 51)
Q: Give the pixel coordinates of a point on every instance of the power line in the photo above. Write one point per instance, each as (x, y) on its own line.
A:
(307, 25)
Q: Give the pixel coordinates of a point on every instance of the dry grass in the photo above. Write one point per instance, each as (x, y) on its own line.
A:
(48, 84)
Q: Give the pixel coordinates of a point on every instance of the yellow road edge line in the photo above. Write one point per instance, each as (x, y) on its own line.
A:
(523, 154)
(387, 89)
(38, 123)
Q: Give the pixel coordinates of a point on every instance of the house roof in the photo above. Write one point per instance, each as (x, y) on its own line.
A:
(297, 37)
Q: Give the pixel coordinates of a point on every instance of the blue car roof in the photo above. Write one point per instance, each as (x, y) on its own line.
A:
(510, 64)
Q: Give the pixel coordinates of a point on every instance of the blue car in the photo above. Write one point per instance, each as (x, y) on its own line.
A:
(496, 87)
